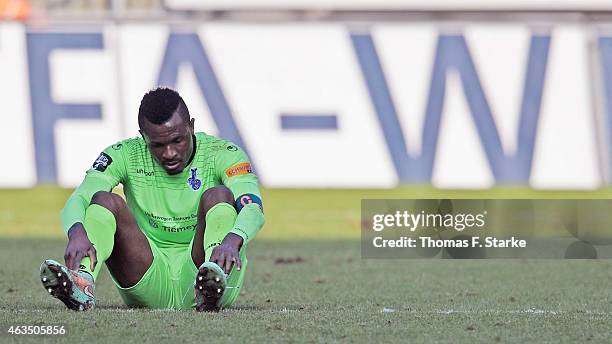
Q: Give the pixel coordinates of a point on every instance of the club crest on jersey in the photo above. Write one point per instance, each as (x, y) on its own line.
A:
(193, 181)
(102, 162)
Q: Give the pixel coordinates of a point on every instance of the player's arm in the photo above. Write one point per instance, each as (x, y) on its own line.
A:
(236, 172)
(106, 172)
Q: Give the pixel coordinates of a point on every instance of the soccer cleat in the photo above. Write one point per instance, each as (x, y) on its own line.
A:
(209, 287)
(74, 288)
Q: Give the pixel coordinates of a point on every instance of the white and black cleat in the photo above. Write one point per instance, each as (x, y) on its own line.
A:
(209, 287)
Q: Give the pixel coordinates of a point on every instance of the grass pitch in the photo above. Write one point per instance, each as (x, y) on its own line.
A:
(307, 283)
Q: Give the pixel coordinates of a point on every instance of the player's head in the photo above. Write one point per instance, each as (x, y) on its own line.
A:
(167, 128)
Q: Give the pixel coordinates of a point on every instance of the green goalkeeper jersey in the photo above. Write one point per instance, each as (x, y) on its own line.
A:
(165, 206)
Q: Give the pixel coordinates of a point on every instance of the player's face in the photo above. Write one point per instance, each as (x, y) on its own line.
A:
(170, 143)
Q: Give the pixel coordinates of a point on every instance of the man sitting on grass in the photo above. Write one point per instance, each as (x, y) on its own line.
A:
(192, 205)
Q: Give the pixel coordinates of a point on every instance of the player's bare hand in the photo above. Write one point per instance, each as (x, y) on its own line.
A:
(79, 247)
(228, 253)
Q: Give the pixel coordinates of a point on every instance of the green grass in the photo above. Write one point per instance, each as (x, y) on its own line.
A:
(290, 214)
(332, 295)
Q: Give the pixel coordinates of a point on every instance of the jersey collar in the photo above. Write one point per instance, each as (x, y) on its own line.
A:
(193, 152)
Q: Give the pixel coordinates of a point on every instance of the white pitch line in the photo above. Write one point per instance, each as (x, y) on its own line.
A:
(529, 311)
(534, 311)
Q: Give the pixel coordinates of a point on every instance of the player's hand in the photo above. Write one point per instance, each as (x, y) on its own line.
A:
(228, 253)
(78, 247)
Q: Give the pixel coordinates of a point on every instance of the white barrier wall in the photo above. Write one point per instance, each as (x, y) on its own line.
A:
(478, 5)
(321, 105)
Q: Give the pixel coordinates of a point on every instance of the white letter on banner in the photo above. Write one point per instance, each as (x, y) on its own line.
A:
(84, 76)
(298, 98)
(16, 141)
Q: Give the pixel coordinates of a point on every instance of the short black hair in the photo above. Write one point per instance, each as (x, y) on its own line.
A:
(159, 104)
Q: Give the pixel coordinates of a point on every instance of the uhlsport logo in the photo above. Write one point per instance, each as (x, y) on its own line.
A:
(193, 181)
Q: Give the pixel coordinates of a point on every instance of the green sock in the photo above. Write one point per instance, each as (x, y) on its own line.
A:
(100, 225)
(219, 221)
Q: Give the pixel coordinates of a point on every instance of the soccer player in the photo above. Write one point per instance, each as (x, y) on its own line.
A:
(179, 239)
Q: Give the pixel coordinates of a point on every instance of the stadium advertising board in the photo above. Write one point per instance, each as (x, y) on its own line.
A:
(322, 105)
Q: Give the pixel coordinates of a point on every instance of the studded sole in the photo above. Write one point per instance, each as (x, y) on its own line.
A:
(209, 288)
(58, 284)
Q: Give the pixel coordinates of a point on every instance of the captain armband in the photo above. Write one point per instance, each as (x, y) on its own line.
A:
(245, 199)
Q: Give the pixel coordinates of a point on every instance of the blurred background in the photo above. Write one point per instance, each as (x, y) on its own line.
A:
(362, 98)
